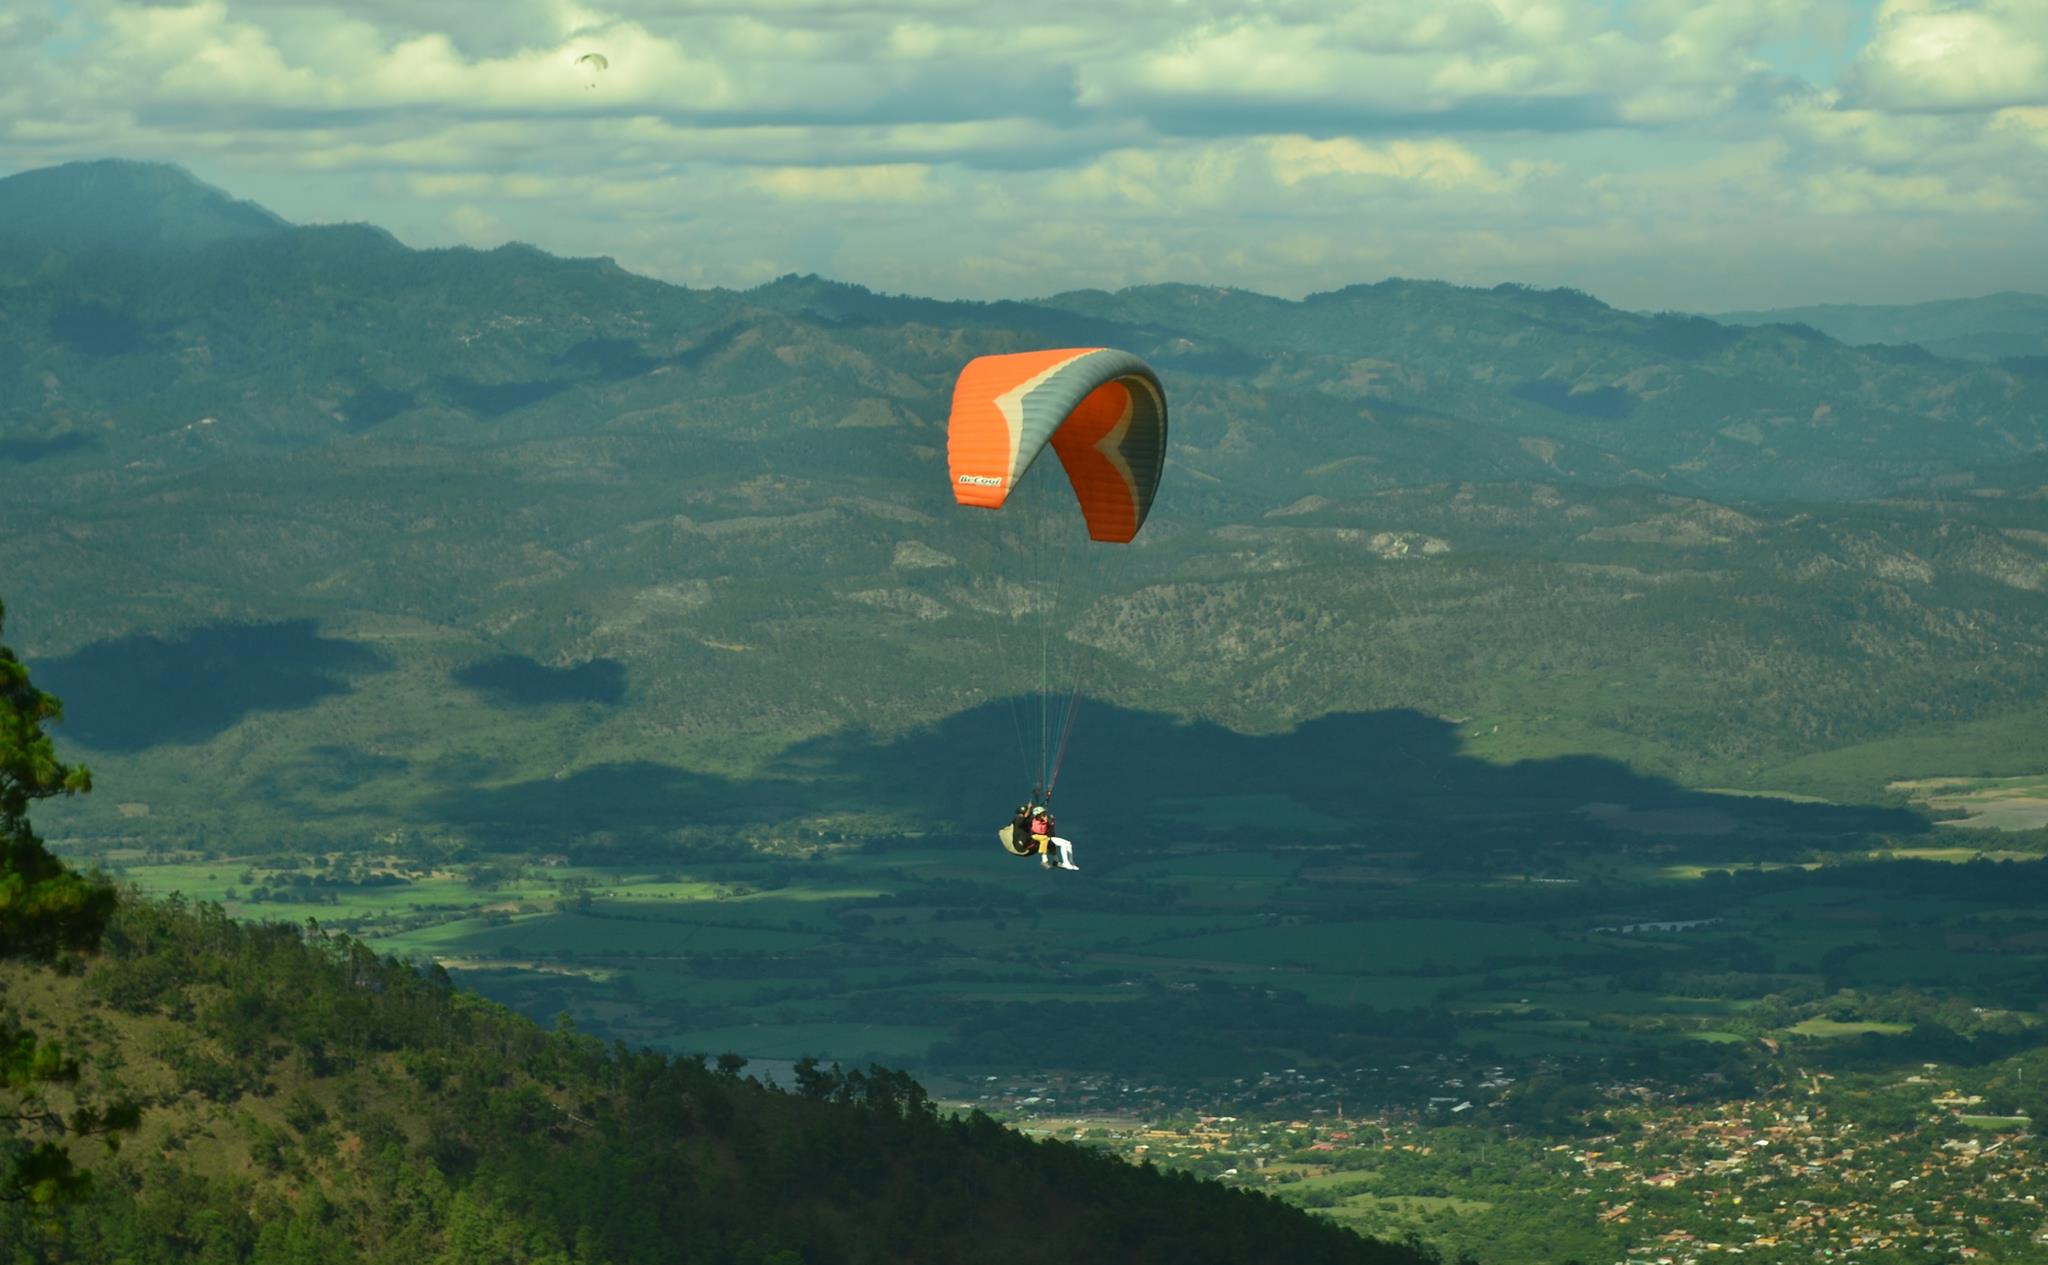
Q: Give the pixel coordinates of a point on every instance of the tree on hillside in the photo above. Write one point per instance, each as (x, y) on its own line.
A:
(46, 910)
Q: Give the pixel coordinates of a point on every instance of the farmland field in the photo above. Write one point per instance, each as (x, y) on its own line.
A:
(2004, 803)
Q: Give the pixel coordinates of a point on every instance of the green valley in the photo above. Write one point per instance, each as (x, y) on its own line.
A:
(1549, 782)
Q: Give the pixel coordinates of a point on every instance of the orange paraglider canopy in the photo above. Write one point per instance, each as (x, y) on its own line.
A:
(1102, 411)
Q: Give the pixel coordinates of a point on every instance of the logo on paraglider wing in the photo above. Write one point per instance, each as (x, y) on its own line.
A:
(983, 480)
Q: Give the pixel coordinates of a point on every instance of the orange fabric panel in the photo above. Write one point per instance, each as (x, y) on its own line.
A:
(980, 448)
(1107, 499)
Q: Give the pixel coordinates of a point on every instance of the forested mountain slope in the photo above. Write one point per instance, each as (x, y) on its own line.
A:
(305, 1101)
(286, 1095)
(123, 206)
(295, 337)
(380, 537)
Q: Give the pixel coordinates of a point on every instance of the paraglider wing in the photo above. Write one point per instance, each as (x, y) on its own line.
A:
(596, 61)
(1103, 411)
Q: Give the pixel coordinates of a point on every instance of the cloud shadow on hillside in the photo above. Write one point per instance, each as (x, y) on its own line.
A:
(133, 693)
(639, 801)
(1390, 778)
(1394, 780)
(26, 451)
(512, 680)
(94, 329)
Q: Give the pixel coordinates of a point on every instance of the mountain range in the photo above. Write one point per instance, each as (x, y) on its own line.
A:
(1995, 327)
(374, 534)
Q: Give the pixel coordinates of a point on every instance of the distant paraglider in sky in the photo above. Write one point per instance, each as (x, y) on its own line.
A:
(598, 64)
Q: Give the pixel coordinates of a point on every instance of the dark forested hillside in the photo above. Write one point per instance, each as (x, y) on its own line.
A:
(308, 1102)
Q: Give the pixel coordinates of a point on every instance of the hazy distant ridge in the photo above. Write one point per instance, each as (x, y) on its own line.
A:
(127, 205)
(293, 337)
(1992, 327)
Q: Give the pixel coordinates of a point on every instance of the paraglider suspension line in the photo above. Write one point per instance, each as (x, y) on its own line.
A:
(1059, 755)
(1051, 627)
(993, 539)
(1071, 707)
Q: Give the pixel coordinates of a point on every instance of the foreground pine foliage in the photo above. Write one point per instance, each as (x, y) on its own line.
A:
(309, 1102)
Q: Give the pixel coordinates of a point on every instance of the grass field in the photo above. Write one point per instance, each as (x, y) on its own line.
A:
(2008, 745)
(1827, 1028)
(1995, 1123)
(1359, 1205)
(1989, 803)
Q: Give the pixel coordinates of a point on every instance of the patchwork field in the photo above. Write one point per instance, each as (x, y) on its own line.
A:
(1989, 803)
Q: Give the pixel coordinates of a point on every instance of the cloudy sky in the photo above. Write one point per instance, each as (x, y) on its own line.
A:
(1699, 154)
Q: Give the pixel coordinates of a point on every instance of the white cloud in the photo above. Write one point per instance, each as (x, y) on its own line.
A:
(474, 226)
(2027, 122)
(892, 182)
(203, 55)
(1856, 192)
(25, 27)
(470, 184)
(1661, 152)
(1437, 164)
(1941, 55)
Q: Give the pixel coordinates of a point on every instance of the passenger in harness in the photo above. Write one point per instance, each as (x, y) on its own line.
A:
(1050, 845)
